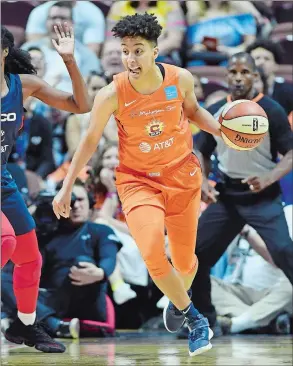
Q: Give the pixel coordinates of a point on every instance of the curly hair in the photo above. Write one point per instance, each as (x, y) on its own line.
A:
(275, 48)
(17, 60)
(139, 25)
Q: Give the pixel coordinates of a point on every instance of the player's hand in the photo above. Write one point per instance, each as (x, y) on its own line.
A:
(208, 193)
(88, 274)
(257, 184)
(65, 43)
(61, 203)
(107, 178)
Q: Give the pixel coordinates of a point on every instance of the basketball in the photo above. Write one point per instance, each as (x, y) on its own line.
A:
(244, 124)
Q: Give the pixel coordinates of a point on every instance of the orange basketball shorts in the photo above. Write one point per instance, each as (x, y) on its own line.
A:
(170, 200)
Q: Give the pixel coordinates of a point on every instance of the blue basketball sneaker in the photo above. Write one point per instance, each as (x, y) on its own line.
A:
(199, 335)
(173, 318)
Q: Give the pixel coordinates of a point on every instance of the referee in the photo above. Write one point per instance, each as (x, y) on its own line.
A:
(248, 189)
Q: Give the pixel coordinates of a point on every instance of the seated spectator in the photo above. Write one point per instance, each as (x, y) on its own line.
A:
(85, 58)
(35, 142)
(170, 17)
(254, 292)
(78, 258)
(89, 23)
(131, 267)
(77, 124)
(218, 29)
(111, 58)
(268, 55)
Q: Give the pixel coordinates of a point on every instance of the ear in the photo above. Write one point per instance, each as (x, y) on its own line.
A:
(5, 52)
(156, 52)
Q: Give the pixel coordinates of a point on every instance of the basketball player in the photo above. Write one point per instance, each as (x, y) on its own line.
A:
(19, 242)
(158, 179)
(248, 191)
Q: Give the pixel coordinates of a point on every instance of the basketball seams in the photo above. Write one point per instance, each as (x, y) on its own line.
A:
(246, 133)
(246, 115)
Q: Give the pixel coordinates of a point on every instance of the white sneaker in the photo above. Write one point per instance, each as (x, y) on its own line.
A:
(123, 294)
(163, 302)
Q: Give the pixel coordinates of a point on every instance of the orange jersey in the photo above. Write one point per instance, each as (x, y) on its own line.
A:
(154, 133)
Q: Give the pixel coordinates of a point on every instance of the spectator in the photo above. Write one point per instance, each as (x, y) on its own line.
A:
(170, 17)
(78, 258)
(131, 267)
(88, 19)
(254, 293)
(76, 125)
(34, 144)
(111, 58)
(268, 55)
(85, 58)
(218, 29)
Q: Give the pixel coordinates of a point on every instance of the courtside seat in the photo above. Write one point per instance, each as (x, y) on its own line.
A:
(93, 328)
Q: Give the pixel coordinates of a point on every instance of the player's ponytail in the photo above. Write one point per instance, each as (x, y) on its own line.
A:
(17, 61)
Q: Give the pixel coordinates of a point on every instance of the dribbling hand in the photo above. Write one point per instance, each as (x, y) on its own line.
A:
(65, 42)
(61, 204)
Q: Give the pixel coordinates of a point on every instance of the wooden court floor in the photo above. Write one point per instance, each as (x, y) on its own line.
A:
(156, 350)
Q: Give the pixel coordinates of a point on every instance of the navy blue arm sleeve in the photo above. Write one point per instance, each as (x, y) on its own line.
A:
(108, 245)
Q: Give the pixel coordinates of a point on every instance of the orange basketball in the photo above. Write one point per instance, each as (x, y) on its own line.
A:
(244, 124)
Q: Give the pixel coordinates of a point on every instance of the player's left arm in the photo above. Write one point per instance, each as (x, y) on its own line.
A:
(282, 138)
(79, 101)
(193, 111)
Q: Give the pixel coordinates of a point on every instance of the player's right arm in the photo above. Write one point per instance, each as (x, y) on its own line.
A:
(105, 104)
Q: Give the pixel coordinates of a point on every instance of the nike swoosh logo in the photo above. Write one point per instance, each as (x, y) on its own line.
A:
(128, 104)
(193, 173)
(185, 312)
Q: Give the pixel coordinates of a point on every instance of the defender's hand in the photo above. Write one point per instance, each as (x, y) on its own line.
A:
(65, 44)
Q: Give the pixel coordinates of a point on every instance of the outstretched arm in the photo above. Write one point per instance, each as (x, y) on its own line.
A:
(105, 105)
(194, 112)
(79, 102)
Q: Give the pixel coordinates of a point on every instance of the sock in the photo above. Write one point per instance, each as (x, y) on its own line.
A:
(27, 319)
(242, 322)
(190, 313)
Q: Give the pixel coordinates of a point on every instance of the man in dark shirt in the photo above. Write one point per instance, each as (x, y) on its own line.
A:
(268, 55)
(247, 191)
(78, 258)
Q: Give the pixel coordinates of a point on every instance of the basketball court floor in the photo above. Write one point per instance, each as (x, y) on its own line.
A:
(143, 349)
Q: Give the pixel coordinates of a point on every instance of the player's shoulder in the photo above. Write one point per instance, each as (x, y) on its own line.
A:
(107, 97)
(184, 74)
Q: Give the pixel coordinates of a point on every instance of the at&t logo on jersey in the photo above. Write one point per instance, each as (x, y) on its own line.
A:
(155, 128)
(8, 117)
(146, 147)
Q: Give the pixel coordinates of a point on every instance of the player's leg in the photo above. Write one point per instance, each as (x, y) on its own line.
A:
(268, 219)
(146, 225)
(26, 277)
(8, 240)
(181, 226)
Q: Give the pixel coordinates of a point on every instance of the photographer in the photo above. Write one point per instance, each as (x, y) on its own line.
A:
(78, 258)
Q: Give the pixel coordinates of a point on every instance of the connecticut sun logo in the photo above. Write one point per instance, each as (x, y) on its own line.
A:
(154, 128)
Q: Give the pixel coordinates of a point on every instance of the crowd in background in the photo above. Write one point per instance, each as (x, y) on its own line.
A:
(199, 35)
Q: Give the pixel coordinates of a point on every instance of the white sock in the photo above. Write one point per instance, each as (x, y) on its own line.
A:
(27, 319)
(242, 322)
